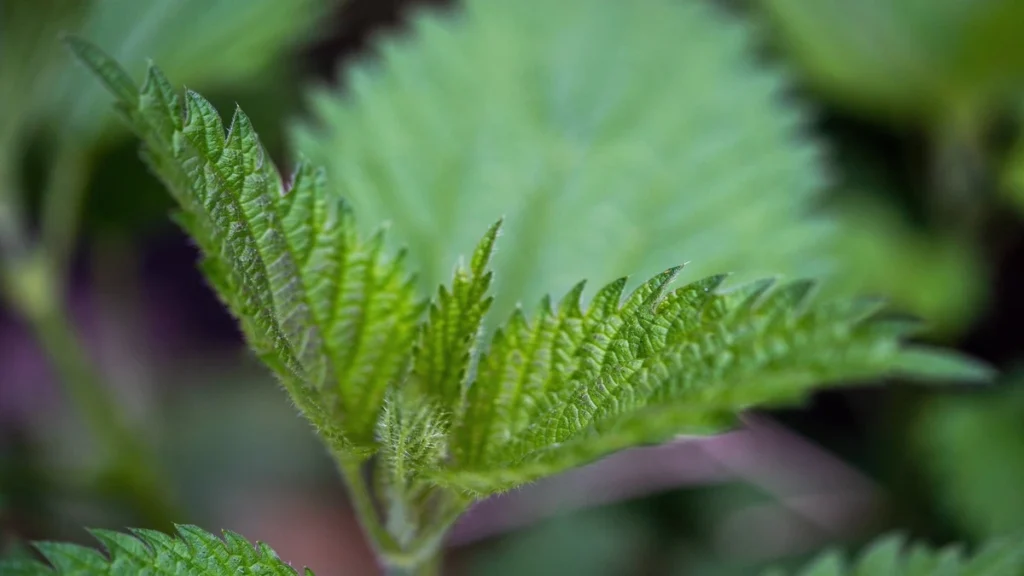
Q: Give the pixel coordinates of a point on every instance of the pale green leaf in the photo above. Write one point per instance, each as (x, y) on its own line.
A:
(192, 552)
(616, 138)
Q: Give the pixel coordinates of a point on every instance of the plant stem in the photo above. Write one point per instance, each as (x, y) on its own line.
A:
(31, 282)
(431, 567)
(958, 172)
(420, 557)
(62, 202)
(131, 469)
(362, 501)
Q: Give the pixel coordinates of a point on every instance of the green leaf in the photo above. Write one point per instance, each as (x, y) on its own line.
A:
(616, 138)
(971, 448)
(321, 305)
(574, 385)
(1011, 177)
(411, 432)
(29, 60)
(193, 552)
(906, 58)
(937, 276)
(340, 325)
(229, 41)
(890, 556)
(456, 316)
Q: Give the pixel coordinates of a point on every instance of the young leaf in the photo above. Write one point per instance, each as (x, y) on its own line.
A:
(193, 552)
(890, 556)
(322, 306)
(615, 137)
(411, 432)
(455, 321)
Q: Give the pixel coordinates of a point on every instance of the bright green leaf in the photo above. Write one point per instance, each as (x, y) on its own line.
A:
(339, 323)
(325, 308)
(574, 385)
(453, 326)
(193, 552)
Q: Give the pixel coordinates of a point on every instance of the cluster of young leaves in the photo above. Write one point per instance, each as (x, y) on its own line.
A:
(890, 556)
(647, 124)
(340, 323)
(193, 552)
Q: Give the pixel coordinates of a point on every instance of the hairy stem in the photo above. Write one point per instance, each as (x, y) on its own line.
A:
(363, 503)
(419, 557)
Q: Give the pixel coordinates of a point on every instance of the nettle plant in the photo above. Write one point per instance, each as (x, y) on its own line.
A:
(427, 410)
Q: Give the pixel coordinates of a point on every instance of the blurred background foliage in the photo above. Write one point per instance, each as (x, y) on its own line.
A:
(876, 144)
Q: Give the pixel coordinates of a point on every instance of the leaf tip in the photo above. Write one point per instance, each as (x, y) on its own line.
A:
(103, 66)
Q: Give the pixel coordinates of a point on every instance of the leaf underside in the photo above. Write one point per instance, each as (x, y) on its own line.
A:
(340, 323)
(891, 556)
(191, 552)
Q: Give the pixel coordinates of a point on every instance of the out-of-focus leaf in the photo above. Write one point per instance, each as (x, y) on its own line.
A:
(208, 43)
(203, 43)
(28, 61)
(892, 556)
(1012, 185)
(190, 552)
(919, 59)
(602, 542)
(617, 138)
(973, 451)
(938, 278)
